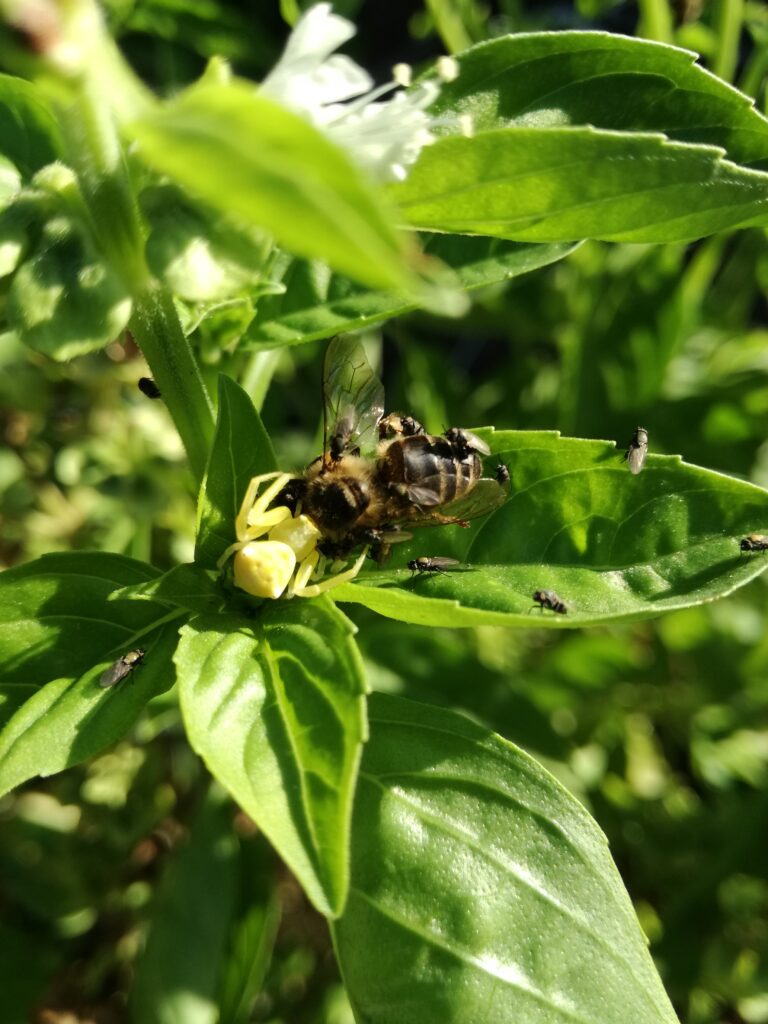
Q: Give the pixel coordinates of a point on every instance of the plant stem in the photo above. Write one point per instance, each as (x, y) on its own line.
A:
(730, 16)
(94, 151)
(155, 326)
(656, 20)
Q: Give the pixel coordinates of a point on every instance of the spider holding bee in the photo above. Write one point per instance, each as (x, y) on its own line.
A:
(376, 475)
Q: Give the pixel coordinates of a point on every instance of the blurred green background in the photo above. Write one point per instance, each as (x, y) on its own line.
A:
(661, 729)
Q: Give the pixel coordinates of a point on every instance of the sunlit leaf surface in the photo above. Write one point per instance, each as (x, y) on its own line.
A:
(482, 890)
(611, 545)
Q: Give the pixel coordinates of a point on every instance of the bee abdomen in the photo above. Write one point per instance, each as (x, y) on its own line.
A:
(427, 469)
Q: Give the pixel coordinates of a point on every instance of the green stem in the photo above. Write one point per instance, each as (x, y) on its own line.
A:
(95, 153)
(656, 21)
(730, 17)
(155, 326)
(258, 374)
(449, 25)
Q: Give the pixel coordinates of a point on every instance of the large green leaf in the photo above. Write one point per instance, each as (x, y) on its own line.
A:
(558, 184)
(275, 707)
(178, 972)
(241, 449)
(72, 719)
(317, 303)
(482, 890)
(56, 618)
(606, 80)
(265, 165)
(611, 545)
(29, 134)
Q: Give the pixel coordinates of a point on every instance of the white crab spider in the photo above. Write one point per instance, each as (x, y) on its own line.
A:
(288, 559)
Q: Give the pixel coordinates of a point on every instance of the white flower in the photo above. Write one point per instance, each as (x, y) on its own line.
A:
(384, 136)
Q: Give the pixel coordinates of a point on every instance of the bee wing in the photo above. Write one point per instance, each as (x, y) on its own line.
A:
(484, 497)
(353, 397)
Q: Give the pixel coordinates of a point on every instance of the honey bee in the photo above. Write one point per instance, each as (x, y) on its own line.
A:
(549, 599)
(378, 474)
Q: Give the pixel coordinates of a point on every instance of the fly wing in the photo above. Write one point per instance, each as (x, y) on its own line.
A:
(353, 400)
(636, 457)
(112, 675)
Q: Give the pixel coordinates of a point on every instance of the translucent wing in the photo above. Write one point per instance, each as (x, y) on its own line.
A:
(115, 673)
(353, 401)
(484, 497)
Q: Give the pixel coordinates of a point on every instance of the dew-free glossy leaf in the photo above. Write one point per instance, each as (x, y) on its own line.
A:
(241, 449)
(613, 546)
(72, 719)
(606, 80)
(275, 706)
(558, 184)
(177, 973)
(185, 586)
(56, 618)
(317, 303)
(481, 889)
(29, 134)
(270, 168)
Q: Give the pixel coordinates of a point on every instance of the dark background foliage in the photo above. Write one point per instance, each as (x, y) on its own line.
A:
(660, 728)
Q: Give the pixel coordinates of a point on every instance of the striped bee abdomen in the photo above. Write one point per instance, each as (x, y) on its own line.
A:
(427, 470)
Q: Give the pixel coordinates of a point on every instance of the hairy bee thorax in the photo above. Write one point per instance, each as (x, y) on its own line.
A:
(428, 470)
(336, 498)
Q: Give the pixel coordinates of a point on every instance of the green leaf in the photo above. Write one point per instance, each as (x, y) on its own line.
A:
(29, 134)
(613, 546)
(558, 184)
(275, 707)
(185, 586)
(197, 252)
(65, 300)
(317, 303)
(263, 164)
(241, 449)
(72, 719)
(481, 889)
(254, 935)
(606, 80)
(56, 618)
(177, 973)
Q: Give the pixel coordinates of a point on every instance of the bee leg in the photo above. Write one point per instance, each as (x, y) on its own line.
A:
(315, 589)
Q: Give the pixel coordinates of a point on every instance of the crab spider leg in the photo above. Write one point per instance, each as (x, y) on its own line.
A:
(304, 572)
(265, 521)
(250, 501)
(334, 581)
(230, 551)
